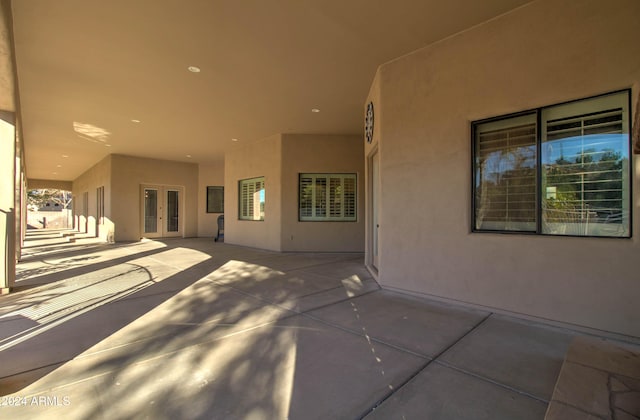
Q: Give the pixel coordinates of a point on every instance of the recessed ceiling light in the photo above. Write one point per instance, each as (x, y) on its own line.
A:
(234, 139)
(135, 121)
(316, 110)
(107, 145)
(194, 69)
(65, 156)
(189, 156)
(58, 166)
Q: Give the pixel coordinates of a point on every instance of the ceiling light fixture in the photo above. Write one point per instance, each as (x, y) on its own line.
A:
(135, 121)
(234, 139)
(194, 69)
(315, 110)
(65, 156)
(189, 156)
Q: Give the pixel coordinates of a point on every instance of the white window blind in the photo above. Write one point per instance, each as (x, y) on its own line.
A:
(506, 174)
(252, 198)
(585, 168)
(558, 170)
(327, 197)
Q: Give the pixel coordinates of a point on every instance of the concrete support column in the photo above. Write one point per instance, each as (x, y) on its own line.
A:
(7, 201)
(21, 201)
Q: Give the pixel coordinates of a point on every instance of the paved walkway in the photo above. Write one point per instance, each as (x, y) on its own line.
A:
(190, 329)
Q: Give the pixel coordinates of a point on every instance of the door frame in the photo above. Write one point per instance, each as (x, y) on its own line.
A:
(161, 211)
(373, 210)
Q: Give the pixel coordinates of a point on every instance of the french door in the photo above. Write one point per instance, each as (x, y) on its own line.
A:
(162, 211)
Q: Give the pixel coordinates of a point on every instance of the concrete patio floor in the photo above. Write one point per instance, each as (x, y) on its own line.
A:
(190, 329)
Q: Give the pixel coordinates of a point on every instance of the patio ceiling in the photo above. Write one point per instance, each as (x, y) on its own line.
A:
(101, 77)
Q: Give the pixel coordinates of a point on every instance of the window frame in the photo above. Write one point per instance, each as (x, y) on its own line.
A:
(539, 169)
(211, 207)
(240, 198)
(327, 218)
(100, 205)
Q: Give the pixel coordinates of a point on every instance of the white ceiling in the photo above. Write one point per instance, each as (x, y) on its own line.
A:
(87, 68)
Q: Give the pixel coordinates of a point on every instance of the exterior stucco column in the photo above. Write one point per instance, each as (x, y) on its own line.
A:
(7, 201)
(8, 148)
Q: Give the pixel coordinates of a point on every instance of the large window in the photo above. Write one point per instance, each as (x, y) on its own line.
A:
(558, 170)
(252, 198)
(327, 197)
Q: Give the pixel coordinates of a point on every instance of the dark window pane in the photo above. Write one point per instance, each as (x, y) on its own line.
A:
(215, 199)
(505, 174)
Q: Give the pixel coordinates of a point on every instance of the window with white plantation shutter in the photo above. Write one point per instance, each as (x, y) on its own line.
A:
(251, 194)
(320, 197)
(349, 202)
(306, 196)
(336, 197)
(327, 197)
(558, 170)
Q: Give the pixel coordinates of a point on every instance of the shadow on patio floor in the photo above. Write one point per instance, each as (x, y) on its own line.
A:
(189, 328)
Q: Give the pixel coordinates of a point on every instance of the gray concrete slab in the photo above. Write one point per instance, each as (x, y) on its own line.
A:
(298, 290)
(425, 328)
(519, 354)
(439, 392)
(349, 267)
(295, 368)
(201, 312)
(189, 328)
(302, 260)
(341, 375)
(349, 288)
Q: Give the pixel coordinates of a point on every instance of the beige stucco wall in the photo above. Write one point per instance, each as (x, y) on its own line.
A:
(8, 211)
(544, 53)
(129, 173)
(320, 154)
(261, 158)
(280, 158)
(99, 175)
(10, 155)
(371, 151)
(209, 175)
(8, 92)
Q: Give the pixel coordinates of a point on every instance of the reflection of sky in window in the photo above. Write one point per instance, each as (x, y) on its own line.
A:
(261, 195)
(571, 147)
(497, 163)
